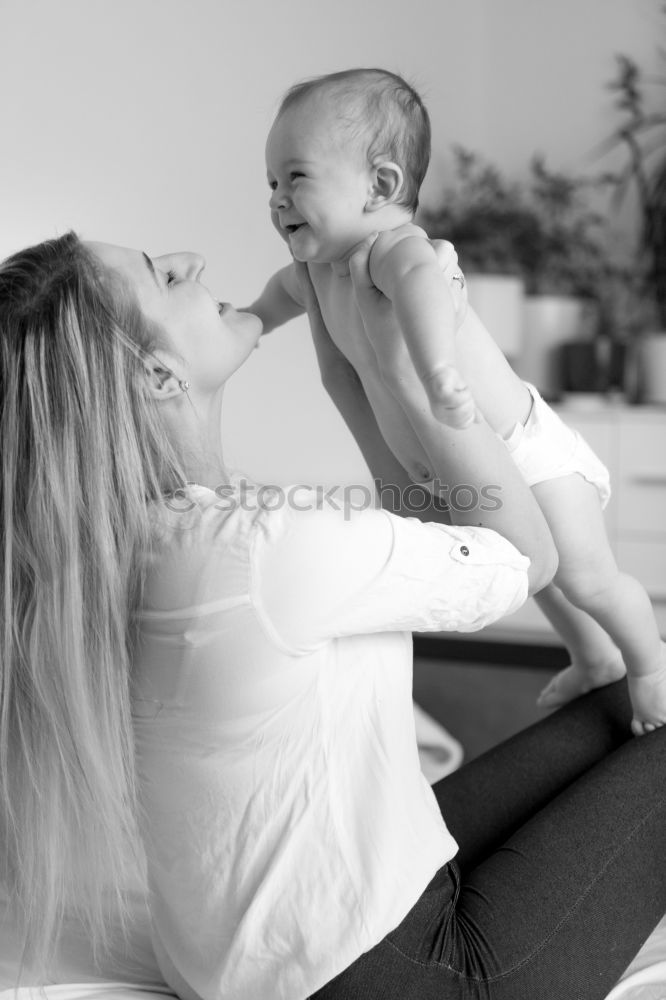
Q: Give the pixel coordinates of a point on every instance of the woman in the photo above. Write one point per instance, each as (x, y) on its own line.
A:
(293, 848)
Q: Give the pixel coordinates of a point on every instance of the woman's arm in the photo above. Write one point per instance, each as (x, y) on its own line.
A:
(343, 385)
(353, 572)
(473, 457)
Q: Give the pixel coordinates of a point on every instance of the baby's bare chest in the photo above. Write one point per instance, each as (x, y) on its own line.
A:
(343, 320)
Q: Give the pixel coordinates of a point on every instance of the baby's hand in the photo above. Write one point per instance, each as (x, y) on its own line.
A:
(450, 399)
(648, 699)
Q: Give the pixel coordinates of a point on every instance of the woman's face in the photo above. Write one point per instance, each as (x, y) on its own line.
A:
(210, 340)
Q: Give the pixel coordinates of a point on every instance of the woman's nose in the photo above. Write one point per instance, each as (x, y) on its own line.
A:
(194, 265)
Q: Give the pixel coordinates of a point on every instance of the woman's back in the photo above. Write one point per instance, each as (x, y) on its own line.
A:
(278, 772)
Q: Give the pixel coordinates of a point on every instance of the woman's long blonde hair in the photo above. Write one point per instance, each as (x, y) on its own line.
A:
(83, 451)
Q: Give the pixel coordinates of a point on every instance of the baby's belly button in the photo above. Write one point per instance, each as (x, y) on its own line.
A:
(418, 471)
(413, 460)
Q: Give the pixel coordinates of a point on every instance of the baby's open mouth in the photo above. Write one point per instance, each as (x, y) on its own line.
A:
(294, 227)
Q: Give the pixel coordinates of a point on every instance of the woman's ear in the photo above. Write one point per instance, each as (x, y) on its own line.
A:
(162, 382)
(387, 182)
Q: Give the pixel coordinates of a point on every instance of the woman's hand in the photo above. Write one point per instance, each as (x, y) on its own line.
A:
(373, 305)
(381, 327)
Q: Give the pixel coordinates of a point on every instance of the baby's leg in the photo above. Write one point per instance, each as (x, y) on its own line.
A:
(595, 659)
(610, 623)
(589, 578)
(501, 396)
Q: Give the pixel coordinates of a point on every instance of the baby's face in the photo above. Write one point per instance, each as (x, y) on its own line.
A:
(320, 185)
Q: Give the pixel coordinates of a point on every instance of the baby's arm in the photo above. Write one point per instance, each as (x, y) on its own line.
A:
(404, 267)
(280, 301)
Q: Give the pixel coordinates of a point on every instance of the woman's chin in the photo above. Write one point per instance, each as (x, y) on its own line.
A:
(248, 323)
(256, 326)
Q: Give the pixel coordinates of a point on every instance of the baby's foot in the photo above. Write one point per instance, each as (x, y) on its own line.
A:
(450, 399)
(648, 698)
(578, 679)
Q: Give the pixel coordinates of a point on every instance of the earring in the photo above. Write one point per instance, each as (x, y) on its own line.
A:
(183, 385)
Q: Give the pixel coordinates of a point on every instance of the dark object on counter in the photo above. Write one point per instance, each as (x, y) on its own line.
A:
(592, 365)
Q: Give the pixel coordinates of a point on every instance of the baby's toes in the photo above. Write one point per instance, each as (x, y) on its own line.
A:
(640, 727)
(551, 697)
(563, 687)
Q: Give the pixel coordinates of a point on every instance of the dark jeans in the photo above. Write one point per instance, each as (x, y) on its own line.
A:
(561, 873)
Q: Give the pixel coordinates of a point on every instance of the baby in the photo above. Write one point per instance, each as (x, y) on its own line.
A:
(345, 158)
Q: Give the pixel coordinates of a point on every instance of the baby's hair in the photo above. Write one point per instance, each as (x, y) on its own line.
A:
(384, 111)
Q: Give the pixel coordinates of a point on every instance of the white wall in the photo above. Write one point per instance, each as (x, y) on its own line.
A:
(142, 122)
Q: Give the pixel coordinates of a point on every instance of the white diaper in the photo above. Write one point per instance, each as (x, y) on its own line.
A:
(545, 448)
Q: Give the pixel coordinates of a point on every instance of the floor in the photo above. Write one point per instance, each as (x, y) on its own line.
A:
(480, 703)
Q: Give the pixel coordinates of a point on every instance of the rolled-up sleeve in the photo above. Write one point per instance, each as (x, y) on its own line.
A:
(321, 574)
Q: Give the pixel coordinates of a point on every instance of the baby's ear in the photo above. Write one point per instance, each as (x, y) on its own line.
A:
(387, 182)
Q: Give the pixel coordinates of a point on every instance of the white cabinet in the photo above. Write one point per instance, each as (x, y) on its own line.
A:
(631, 441)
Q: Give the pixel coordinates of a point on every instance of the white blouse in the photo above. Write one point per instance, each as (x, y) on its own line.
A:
(288, 827)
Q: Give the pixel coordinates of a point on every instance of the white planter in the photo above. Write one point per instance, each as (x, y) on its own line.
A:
(652, 367)
(498, 299)
(548, 322)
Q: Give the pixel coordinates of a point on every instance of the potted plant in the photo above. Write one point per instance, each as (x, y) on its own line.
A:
(484, 216)
(642, 134)
(568, 275)
(541, 234)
